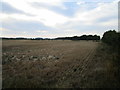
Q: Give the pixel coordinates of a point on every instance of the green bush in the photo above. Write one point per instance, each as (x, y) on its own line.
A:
(111, 38)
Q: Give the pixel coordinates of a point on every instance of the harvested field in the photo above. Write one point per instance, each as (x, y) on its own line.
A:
(48, 63)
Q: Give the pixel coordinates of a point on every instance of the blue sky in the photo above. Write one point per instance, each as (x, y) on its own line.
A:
(57, 18)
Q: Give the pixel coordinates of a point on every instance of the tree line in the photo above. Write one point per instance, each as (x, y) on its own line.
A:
(20, 38)
(83, 37)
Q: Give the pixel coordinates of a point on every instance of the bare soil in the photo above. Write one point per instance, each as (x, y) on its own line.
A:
(53, 64)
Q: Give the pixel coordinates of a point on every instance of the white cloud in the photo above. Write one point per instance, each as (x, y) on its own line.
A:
(42, 31)
(112, 22)
(103, 10)
(57, 3)
(4, 29)
(24, 32)
(92, 17)
(50, 18)
(27, 3)
(46, 16)
(69, 30)
(80, 2)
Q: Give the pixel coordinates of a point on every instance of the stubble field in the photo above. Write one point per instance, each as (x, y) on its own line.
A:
(50, 63)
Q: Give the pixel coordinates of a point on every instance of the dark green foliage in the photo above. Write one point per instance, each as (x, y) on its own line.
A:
(110, 38)
(118, 46)
(83, 37)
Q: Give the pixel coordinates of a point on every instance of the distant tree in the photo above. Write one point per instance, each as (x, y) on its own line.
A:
(38, 38)
(95, 37)
(90, 37)
(83, 37)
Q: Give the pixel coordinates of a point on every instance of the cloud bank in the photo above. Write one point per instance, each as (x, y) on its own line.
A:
(54, 18)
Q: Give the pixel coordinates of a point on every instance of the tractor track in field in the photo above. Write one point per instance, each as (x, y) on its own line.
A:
(88, 61)
(81, 67)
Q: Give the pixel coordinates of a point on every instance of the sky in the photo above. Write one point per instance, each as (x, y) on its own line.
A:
(57, 18)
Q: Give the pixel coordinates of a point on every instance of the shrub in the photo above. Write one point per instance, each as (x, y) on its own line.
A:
(110, 38)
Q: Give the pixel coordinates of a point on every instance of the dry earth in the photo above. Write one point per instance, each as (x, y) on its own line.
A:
(51, 64)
